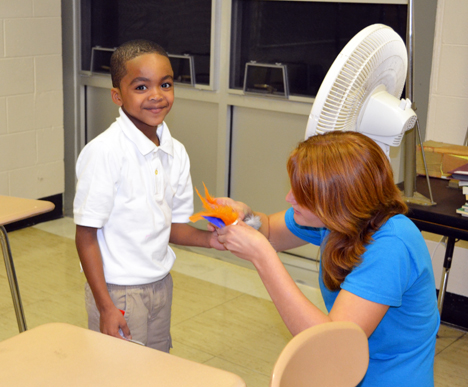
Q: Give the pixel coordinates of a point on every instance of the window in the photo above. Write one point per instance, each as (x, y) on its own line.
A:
(180, 27)
(304, 36)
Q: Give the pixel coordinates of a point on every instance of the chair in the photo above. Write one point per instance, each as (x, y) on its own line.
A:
(334, 354)
(12, 210)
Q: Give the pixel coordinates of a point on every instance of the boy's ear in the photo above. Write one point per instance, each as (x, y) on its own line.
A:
(116, 97)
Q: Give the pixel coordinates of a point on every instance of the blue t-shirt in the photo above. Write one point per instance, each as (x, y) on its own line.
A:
(395, 270)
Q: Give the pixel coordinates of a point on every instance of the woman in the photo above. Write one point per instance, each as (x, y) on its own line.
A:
(375, 267)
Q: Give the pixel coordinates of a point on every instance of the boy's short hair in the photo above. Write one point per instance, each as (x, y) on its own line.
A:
(127, 51)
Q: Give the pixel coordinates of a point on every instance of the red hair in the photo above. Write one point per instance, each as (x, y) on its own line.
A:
(346, 180)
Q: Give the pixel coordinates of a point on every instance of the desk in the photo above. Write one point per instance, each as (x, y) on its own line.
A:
(441, 219)
(58, 354)
(12, 210)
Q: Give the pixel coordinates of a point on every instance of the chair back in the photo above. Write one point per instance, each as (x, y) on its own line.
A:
(334, 354)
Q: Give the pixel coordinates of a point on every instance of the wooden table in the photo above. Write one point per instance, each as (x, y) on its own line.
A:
(12, 210)
(59, 354)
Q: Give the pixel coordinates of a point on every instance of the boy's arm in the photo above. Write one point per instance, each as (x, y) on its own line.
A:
(111, 318)
(185, 235)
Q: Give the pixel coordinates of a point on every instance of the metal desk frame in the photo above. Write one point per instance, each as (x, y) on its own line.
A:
(12, 210)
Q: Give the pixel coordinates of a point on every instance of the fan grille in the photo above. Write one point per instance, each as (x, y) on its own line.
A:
(374, 57)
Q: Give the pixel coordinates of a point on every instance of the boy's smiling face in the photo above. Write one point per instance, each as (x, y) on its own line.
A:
(146, 92)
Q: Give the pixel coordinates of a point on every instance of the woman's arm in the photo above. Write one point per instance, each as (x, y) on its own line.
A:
(296, 310)
(279, 235)
(111, 318)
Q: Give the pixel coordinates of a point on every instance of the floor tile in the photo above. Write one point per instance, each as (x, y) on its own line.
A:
(251, 378)
(261, 351)
(193, 296)
(190, 353)
(447, 336)
(236, 322)
(451, 365)
(8, 323)
(64, 227)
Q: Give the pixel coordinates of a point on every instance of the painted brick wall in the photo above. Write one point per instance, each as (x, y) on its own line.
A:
(448, 102)
(31, 99)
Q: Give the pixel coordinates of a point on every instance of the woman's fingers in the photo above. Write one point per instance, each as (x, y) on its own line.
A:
(240, 208)
(242, 240)
(225, 234)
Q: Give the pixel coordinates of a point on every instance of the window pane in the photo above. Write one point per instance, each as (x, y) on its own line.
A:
(181, 27)
(305, 36)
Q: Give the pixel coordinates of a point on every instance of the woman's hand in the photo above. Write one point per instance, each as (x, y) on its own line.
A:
(214, 241)
(244, 241)
(242, 209)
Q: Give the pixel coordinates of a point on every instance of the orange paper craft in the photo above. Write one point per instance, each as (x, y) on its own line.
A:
(225, 213)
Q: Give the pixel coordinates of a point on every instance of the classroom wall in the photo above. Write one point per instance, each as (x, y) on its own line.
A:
(447, 119)
(448, 99)
(31, 99)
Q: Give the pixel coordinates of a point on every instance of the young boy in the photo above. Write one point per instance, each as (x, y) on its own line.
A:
(134, 195)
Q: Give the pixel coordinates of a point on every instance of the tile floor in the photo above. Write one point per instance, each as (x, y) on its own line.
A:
(222, 315)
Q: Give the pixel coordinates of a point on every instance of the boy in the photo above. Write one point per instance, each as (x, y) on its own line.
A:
(134, 195)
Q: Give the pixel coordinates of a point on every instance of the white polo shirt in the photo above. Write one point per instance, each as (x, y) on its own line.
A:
(132, 190)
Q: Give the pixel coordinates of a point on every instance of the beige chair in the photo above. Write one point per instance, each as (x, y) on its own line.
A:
(334, 354)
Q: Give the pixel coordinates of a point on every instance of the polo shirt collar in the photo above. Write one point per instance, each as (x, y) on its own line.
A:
(143, 144)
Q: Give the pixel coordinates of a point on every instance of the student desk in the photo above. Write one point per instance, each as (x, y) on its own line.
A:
(12, 210)
(441, 219)
(59, 354)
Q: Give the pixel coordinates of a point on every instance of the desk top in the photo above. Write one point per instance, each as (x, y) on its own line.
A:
(58, 354)
(14, 209)
(441, 218)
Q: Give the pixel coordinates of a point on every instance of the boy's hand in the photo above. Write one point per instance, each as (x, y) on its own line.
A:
(111, 321)
(187, 235)
(214, 242)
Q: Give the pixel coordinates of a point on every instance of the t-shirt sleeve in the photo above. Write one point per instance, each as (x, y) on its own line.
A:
(182, 205)
(97, 171)
(309, 234)
(383, 274)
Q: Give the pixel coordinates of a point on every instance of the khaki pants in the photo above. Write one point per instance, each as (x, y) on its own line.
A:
(147, 311)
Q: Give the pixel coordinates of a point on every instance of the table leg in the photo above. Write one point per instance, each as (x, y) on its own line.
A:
(445, 272)
(11, 274)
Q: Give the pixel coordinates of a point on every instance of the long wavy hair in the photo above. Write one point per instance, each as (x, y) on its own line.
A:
(346, 180)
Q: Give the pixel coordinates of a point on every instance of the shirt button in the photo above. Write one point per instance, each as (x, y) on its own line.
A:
(156, 172)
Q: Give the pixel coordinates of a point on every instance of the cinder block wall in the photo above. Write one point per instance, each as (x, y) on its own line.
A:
(31, 99)
(448, 100)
